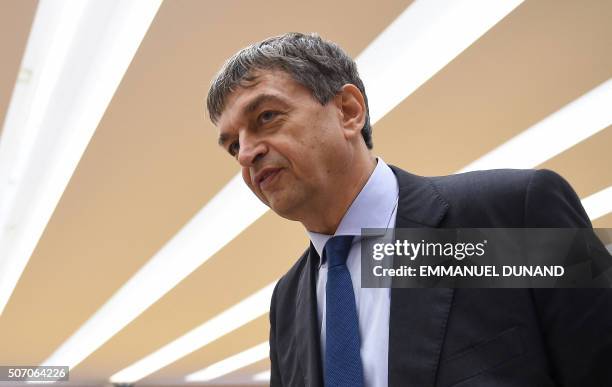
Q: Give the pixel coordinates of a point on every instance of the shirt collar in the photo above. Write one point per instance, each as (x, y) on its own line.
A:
(372, 208)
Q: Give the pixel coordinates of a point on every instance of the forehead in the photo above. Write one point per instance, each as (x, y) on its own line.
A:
(275, 83)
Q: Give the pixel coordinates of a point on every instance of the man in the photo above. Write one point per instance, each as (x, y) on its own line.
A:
(293, 112)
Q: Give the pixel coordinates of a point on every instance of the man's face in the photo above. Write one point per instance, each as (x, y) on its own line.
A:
(290, 147)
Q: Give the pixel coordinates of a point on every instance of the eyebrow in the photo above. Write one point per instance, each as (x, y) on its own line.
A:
(250, 108)
(261, 99)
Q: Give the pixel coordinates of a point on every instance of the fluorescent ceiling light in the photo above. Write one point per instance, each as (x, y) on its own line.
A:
(443, 29)
(598, 204)
(231, 364)
(556, 133)
(75, 58)
(247, 310)
(419, 43)
(262, 376)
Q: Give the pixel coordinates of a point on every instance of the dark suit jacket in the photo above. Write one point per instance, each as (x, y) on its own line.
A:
(466, 337)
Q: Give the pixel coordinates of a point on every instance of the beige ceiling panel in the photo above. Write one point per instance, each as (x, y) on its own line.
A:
(539, 58)
(16, 18)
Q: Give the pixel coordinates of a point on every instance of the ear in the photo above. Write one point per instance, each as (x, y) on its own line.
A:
(352, 107)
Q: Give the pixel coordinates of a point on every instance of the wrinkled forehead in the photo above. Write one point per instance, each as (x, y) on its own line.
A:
(240, 94)
(236, 105)
(259, 87)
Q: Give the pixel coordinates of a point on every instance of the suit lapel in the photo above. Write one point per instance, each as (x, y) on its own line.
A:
(417, 320)
(307, 332)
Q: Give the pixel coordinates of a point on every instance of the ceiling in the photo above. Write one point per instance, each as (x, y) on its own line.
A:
(154, 162)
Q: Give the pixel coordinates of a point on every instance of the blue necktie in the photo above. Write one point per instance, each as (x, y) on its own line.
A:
(342, 358)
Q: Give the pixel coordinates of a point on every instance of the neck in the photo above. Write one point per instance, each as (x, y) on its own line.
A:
(325, 220)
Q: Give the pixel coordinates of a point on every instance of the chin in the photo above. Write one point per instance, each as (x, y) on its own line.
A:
(283, 209)
(278, 209)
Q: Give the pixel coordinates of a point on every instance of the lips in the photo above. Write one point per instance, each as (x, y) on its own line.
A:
(265, 176)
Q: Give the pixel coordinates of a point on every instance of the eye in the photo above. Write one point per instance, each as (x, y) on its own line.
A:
(266, 117)
(234, 148)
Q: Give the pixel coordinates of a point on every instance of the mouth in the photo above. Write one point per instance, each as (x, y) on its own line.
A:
(266, 177)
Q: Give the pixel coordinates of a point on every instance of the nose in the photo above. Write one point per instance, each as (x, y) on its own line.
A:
(251, 149)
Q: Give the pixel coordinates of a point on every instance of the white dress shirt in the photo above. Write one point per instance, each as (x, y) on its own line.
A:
(374, 207)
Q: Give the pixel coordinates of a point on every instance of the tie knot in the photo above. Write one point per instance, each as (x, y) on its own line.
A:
(337, 249)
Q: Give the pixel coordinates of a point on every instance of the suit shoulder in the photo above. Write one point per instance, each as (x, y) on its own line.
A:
(491, 198)
(550, 201)
(503, 183)
(484, 183)
(511, 198)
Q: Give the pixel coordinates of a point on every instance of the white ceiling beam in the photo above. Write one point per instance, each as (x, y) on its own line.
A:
(76, 56)
(231, 364)
(598, 204)
(573, 123)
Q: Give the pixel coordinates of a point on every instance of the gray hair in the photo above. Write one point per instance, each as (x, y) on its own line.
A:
(319, 65)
